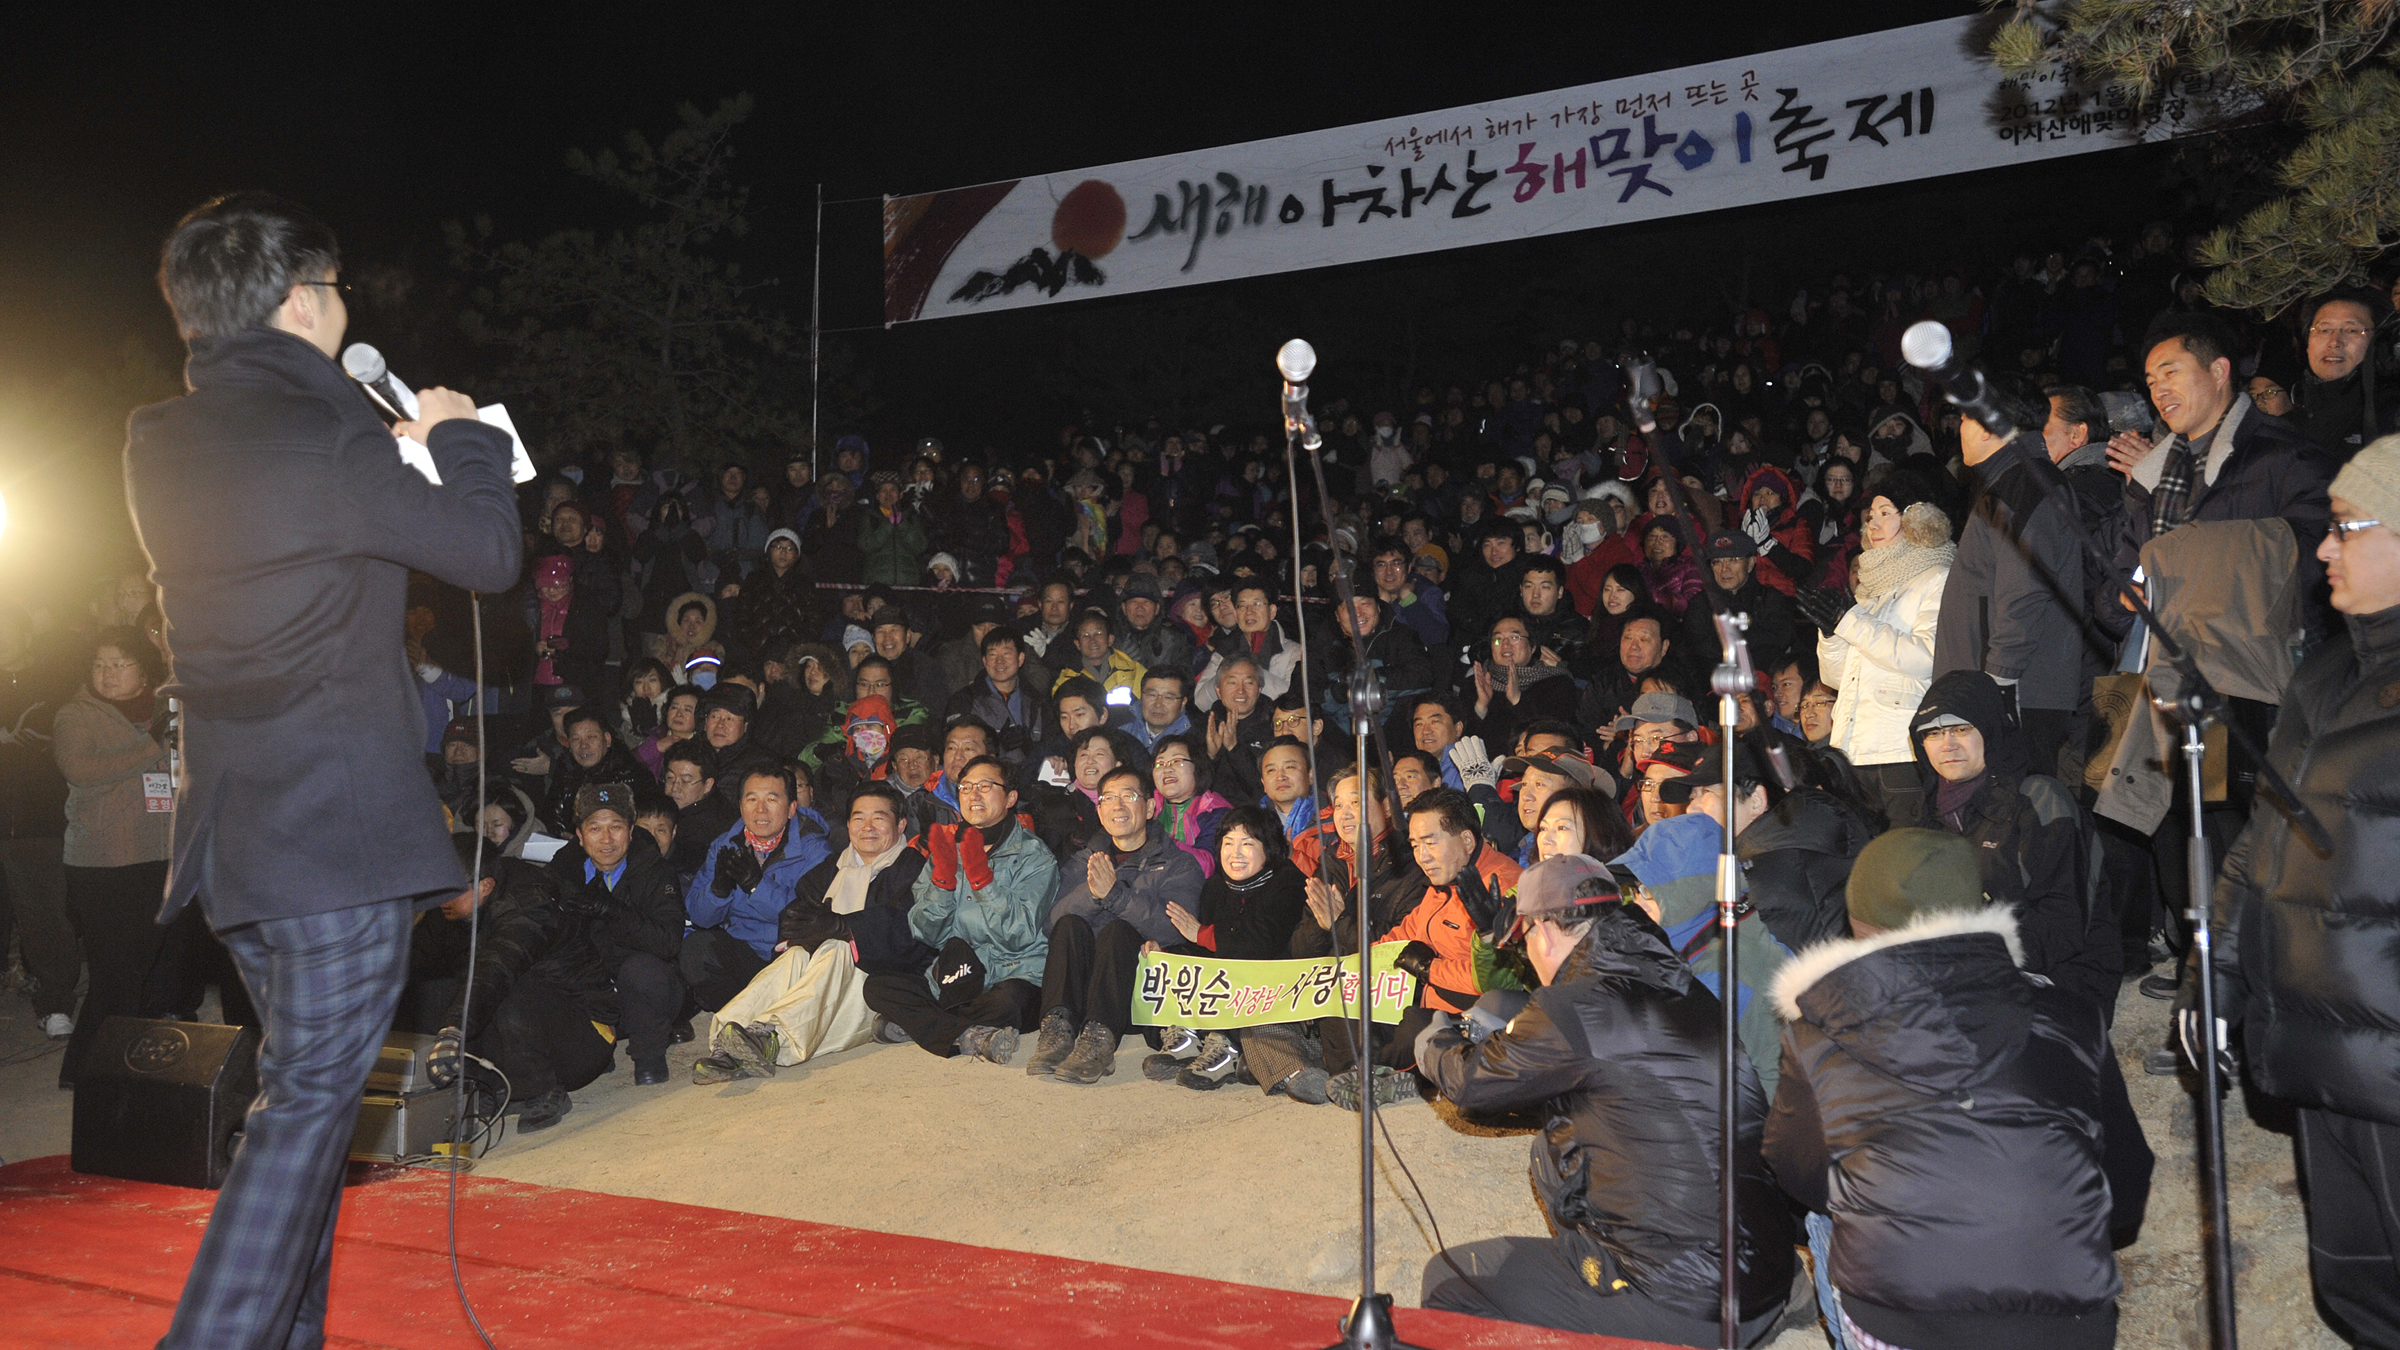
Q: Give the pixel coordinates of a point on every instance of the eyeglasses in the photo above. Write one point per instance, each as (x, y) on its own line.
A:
(1122, 798)
(112, 667)
(2344, 332)
(982, 787)
(2349, 527)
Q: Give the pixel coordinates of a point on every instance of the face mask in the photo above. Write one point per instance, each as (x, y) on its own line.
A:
(869, 741)
(1387, 433)
(1585, 532)
(705, 679)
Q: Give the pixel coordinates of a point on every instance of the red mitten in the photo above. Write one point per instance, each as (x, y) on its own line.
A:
(941, 854)
(971, 857)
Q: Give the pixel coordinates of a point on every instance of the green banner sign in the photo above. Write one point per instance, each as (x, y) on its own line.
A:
(1208, 994)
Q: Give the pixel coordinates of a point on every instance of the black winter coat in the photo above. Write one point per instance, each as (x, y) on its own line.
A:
(534, 931)
(554, 792)
(1395, 889)
(643, 913)
(2305, 941)
(1252, 920)
(2273, 471)
(1943, 1108)
(1797, 859)
(879, 932)
(1622, 1052)
(773, 612)
(2038, 847)
(281, 527)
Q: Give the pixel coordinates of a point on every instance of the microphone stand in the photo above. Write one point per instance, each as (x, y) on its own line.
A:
(1369, 1325)
(2195, 704)
(1733, 677)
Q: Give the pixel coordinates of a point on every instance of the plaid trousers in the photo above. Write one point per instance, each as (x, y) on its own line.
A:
(326, 985)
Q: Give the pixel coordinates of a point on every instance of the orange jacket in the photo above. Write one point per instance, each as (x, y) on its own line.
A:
(1441, 922)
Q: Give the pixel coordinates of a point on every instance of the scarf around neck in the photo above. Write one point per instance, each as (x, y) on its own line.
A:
(848, 894)
(1881, 571)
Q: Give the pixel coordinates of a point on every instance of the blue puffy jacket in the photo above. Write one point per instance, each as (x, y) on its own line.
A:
(752, 915)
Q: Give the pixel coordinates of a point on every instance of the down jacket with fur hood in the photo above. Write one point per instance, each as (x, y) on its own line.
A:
(1942, 1107)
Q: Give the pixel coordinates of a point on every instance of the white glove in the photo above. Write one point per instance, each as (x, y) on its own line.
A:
(1754, 524)
(429, 672)
(1474, 763)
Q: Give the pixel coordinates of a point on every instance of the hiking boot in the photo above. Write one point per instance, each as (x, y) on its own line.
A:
(650, 1072)
(1391, 1088)
(1178, 1046)
(1094, 1056)
(1055, 1043)
(753, 1050)
(544, 1111)
(714, 1069)
(1214, 1066)
(993, 1045)
(1306, 1085)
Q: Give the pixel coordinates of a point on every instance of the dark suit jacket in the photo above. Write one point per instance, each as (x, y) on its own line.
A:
(281, 528)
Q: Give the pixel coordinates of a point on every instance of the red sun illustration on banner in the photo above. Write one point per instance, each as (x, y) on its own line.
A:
(1090, 220)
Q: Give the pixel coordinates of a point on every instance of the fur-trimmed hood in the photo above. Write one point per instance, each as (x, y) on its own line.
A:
(1937, 1005)
(1823, 959)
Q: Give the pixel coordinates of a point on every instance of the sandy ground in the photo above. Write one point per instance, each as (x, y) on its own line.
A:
(1228, 1184)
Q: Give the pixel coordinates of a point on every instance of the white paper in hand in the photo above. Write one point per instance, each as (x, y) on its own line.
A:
(414, 454)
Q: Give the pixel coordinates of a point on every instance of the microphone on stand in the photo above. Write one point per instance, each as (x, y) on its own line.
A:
(1927, 346)
(1297, 360)
(366, 365)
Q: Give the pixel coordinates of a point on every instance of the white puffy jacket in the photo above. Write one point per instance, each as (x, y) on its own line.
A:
(1880, 658)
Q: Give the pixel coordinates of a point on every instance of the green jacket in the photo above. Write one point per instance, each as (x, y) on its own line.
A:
(891, 554)
(1003, 922)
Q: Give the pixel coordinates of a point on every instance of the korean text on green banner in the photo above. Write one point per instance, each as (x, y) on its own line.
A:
(1208, 994)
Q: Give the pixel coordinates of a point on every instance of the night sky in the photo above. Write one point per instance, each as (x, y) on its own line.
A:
(111, 129)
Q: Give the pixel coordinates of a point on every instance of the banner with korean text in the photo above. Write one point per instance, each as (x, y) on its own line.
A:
(1207, 994)
(1880, 108)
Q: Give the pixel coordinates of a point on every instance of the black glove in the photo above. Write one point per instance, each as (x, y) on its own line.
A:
(737, 869)
(443, 1061)
(1824, 607)
(1417, 959)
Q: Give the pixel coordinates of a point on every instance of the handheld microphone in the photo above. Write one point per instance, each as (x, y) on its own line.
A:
(1927, 346)
(366, 365)
(1297, 361)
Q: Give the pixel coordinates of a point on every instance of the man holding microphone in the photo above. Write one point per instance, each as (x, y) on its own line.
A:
(281, 528)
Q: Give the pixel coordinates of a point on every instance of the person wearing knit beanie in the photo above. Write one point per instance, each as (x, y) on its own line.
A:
(2371, 482)
(1908, 872)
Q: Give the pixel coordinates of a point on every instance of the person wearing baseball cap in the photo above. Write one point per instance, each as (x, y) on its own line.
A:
(1930, 1228)
(1621, 1047)
(1730, 562)
(539, 1001)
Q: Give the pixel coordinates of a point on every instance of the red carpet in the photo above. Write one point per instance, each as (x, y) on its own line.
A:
(91, 1261)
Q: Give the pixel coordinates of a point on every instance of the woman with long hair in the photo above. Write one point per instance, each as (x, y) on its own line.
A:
(1580, 820)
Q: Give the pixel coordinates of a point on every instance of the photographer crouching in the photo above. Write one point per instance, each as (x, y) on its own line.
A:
(1622, 1048)
(281, 527)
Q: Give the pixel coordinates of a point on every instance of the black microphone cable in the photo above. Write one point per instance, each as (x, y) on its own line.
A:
(458, 1107)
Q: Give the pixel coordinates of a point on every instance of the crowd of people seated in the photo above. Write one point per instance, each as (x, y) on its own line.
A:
(937, 748)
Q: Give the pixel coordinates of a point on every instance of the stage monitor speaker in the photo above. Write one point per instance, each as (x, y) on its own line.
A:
(163, 1101)
(404, 1116)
